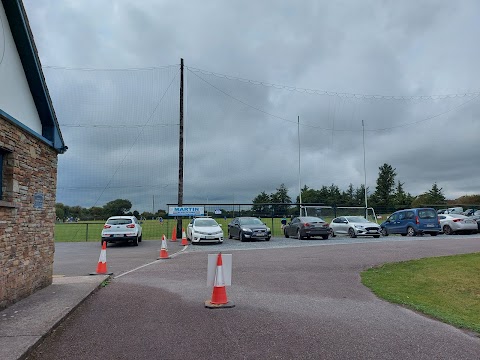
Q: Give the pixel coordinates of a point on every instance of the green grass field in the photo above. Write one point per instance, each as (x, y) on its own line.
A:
(446, 288)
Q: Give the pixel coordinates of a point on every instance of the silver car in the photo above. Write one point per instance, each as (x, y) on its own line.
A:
(455, 223)
(354, 226)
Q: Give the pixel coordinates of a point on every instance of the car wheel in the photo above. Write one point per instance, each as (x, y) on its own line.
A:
(447, 230)
(411, 231)
(433, 234)
(285, 233)
(325, 237)
(332, 233)
(229, 234)
(140, 239)
(351, 233)
(267, 239)
(241, 237)
(299, 235)
(384, 232)
(376, 236)
(135, 241)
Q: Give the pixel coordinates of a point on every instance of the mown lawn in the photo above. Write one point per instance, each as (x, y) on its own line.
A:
(446, 288)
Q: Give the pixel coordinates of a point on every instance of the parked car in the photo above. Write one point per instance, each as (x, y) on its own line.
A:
(354, 226)
(454, 210)
(122, 229)
(456, 223)
(468, 212)
(412, 222)
(441, 211)
(477, 220)
(248, 228)
(306, 227)
(204, 229)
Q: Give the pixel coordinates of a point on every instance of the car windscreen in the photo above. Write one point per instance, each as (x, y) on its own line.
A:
(250, 221)
(206, 222)
(119, 221)
(356, 219)
(427, 214)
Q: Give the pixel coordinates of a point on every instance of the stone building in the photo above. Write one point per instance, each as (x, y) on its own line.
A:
(30, 141)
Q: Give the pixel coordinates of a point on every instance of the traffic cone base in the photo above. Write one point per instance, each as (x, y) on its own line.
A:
(210, 305)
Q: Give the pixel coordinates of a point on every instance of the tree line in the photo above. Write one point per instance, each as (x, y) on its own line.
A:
(389, 195)
(112, 208)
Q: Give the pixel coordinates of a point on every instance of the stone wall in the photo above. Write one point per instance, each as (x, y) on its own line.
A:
(27, 214)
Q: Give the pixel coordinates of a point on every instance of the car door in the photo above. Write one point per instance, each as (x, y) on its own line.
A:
(235, 228)
(338, 225)
(344, 225)
(401, 223)
(292, 227)
(389, 224)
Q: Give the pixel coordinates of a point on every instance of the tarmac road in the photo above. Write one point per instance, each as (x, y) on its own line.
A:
(302, 300)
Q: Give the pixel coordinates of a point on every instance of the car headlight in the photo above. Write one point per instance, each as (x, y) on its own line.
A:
(219, 233)
(268, 229)
(246, 229)
(200, 232)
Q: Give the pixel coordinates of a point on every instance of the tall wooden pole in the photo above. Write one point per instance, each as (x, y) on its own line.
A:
(180, 153)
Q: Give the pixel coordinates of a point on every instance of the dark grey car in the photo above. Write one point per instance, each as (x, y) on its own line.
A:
(305, 227)
(246, 228)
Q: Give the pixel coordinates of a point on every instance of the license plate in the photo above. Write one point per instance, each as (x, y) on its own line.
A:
(260, 234)
(468, 222)
(117, 235)
(210, 237)
(430, 225)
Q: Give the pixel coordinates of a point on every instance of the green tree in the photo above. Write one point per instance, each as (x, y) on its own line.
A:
(281, 196)
(401, 198)
(117, 207)
(349, 195)
(384, 191)
(435, 195)
(260, 203)
(60, 211)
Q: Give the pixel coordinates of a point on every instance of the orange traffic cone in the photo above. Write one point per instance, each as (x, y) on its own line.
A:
(174, 233)
(184, 238)
(163, 249)
(102, 261)
(219, 294)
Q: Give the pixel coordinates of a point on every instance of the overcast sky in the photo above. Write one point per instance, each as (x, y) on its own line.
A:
(241, 138)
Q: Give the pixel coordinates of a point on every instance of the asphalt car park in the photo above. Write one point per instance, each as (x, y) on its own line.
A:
(294, 300)
(81, 258)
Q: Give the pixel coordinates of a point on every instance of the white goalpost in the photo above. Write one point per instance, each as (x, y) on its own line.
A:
(330, 211)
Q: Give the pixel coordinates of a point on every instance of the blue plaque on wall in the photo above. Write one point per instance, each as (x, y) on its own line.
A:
(38, 200)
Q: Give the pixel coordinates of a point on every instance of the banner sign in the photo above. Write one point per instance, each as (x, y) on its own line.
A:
(186, 210)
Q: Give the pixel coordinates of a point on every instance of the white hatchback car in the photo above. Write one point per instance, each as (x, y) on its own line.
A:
(354, 226)
(204, 229)
(122, 229)
(453, 223)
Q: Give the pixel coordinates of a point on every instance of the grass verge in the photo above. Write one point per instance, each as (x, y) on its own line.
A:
(446, 288)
